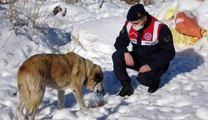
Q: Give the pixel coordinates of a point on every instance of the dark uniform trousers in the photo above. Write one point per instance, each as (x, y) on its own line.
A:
(150, 79)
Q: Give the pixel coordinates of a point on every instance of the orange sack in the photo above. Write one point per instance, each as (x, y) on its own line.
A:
(187, 25)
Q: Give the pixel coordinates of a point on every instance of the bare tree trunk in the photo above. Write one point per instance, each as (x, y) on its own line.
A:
(148, 2)
(7, 1)
(102, 3)
(71, 1)
(131, 1)
(145, 2)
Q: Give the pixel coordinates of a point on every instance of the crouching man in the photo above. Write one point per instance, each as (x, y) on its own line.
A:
(151, 53)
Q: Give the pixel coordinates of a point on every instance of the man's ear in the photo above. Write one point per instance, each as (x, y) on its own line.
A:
(145, 18)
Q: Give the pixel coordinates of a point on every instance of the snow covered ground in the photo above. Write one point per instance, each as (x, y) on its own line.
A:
(184, 91)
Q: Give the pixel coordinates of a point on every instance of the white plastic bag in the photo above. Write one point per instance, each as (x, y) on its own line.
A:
(201, 14)
(188, 4)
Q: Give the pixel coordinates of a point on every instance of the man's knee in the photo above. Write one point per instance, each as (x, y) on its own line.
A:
(116, 56)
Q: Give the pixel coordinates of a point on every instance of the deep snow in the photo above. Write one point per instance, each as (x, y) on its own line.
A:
(183, 95)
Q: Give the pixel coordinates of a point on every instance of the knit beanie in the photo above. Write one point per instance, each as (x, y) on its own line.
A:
(136, 12)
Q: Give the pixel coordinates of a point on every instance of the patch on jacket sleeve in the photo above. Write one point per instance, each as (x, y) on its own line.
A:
(167, 39)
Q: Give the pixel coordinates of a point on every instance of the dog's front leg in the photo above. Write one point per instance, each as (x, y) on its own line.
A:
(61, 98)
(80, 100)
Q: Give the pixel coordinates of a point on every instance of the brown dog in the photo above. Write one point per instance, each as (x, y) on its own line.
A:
(58, 71)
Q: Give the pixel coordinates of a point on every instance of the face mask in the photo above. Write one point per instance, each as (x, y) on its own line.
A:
(138, 27)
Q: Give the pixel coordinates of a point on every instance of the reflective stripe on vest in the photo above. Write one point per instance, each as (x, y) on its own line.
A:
(149, 37)
(132, 34)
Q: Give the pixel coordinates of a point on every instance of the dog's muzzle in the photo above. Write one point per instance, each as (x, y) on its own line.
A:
(98, 87)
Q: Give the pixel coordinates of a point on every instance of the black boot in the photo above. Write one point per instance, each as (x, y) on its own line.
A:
(127, 88)
(153, 89)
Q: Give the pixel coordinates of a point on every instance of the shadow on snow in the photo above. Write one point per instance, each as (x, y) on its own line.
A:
(184, 61)
(53, 38)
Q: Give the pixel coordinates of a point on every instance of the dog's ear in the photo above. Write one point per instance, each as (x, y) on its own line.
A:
(98, 77)
(99, 74)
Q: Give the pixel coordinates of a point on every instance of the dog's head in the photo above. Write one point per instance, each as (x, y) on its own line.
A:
(94, 77)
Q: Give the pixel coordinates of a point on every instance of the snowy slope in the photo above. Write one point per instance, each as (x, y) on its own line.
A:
(91, 31)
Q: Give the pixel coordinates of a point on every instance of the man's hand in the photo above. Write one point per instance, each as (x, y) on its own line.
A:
(128, 59)
(144, 68)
